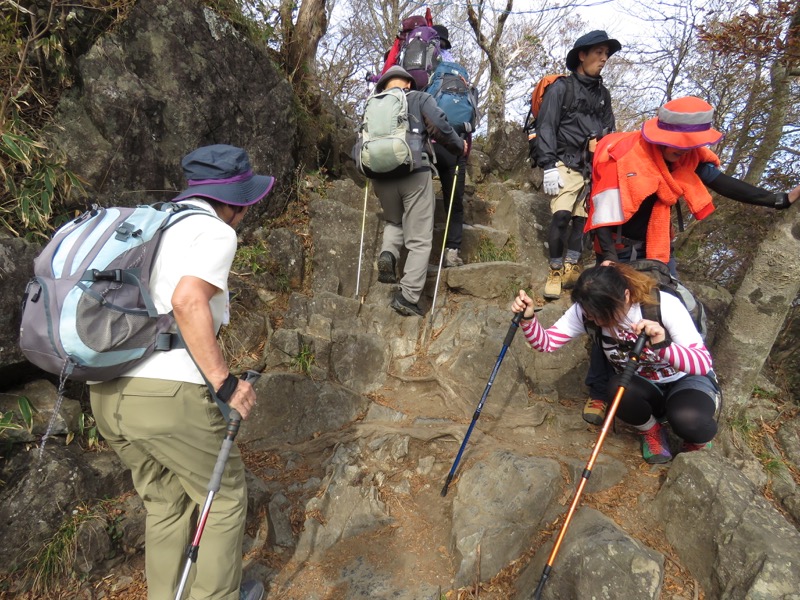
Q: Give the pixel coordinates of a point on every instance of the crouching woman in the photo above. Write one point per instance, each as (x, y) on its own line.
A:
(674, 382)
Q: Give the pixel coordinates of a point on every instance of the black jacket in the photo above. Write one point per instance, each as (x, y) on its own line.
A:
(562, 131)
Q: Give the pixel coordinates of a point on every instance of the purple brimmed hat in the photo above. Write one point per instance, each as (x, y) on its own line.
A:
(683, 123)
(223, 173)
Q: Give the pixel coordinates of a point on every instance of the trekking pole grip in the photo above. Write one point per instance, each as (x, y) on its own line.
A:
(513, 329)
(633, 360)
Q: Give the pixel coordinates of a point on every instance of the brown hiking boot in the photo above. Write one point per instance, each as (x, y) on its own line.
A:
(594, 411)
(571, 274)
(552, 288)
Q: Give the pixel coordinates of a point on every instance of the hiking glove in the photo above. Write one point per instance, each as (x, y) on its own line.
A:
(552, 181)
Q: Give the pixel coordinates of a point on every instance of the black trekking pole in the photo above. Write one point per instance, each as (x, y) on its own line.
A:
(625, 380)
(512, 330)
(234, 420)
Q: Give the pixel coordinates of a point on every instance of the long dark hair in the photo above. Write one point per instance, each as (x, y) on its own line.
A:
(601, 291)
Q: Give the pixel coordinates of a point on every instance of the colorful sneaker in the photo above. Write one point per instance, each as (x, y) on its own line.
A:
(251, 590)
(655, 445)
(452, 259)
(404, 307)
(692, 447)
(386, 268)
(571, 274)
(552, 288)
(594, 411)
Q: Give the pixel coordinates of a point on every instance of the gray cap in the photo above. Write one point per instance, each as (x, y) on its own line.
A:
(391, 73)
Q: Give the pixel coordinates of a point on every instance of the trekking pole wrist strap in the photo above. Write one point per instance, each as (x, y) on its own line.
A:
(227, 388)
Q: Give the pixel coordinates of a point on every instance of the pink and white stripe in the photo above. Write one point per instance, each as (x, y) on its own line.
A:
(541, 339)
(694, 359)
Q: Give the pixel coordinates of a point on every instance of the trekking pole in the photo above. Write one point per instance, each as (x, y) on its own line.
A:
(361, 245)
(234, 421)
(512, 330)
(625, 379)
(444, 240)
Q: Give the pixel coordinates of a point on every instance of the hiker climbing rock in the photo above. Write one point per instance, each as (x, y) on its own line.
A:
(408, 200)
(458, 98)
(575, 112)
(674, 381)
(159, 417)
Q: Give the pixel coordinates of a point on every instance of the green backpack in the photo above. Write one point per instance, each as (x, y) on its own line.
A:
(386, 147)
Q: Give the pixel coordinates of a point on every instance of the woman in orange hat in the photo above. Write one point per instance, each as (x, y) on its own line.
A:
(637, 178)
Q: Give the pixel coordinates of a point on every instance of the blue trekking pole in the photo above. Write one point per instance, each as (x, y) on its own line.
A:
(624, 382)
(512, 330)
(234, 420)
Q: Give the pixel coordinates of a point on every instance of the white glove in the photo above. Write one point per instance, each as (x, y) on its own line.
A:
(552, 181)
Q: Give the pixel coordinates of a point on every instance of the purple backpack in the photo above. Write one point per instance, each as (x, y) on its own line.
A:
(421, 54)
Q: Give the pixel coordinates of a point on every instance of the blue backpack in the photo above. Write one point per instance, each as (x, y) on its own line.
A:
(454, 94)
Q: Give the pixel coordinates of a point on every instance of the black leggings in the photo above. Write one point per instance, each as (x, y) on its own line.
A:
(558, 233)
(688, 405)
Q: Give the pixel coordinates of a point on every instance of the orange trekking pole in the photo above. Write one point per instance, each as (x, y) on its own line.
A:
(625, 380)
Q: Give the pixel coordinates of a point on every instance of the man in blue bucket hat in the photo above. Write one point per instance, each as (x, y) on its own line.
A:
(160, 417)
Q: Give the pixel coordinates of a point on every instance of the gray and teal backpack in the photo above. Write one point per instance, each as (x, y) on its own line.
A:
(389, 145)
(87, 314)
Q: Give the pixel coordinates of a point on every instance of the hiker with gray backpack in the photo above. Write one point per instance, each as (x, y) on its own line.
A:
(153, 396)
(393, 150)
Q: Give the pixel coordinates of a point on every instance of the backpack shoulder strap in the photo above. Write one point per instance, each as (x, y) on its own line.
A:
(652, 312)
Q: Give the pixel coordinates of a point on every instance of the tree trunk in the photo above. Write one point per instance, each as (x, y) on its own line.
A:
(781, 73)
(758, 312)
(496, 94)
(301, 39)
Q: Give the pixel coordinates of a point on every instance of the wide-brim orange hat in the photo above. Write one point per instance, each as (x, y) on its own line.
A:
(683, 123)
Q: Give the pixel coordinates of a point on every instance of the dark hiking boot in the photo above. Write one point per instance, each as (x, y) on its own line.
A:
(655, 445)
(404, 307)
(386, 268)
(594, 411)
(251, 590)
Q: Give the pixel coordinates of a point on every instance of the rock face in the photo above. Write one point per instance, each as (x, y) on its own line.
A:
(173, 76)
(722, 526)
(16, 269)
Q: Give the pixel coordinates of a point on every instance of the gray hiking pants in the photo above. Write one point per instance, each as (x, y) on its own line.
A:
(408, 205)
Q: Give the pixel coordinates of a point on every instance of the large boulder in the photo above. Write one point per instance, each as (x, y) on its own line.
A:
(723, 529)
(16, 268)
(172, 76)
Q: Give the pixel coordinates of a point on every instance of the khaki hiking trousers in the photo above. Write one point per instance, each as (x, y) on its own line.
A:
(169, 433)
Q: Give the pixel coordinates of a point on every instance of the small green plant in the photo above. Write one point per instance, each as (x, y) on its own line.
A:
(304, 360)
(762, 393)
(26, 411)
(771, 463)
(252, 260)
(489, 252)
(55, 559)
(88, 429)
(7, 422)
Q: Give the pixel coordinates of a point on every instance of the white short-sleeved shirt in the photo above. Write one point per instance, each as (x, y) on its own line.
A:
(196, 246)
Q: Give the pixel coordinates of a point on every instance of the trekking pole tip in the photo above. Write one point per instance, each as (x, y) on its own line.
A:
(447, 485)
